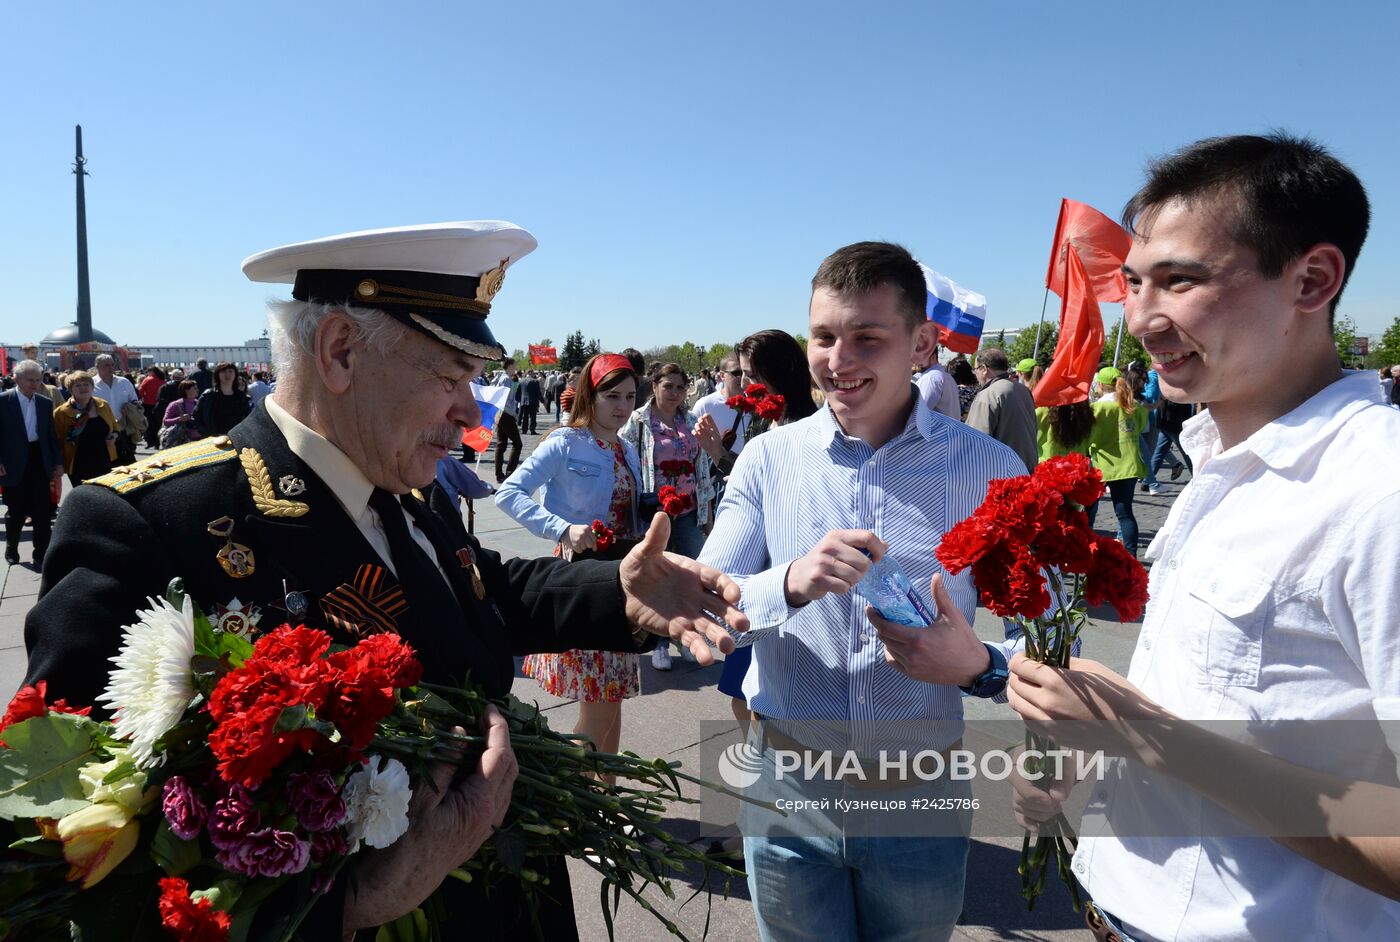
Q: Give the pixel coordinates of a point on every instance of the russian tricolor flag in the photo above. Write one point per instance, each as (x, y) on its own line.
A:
(492, 402)
(960, 314)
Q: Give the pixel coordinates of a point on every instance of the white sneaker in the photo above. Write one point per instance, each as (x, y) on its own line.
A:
(661, 657)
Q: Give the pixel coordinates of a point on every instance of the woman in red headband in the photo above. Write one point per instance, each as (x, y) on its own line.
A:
(590, 481)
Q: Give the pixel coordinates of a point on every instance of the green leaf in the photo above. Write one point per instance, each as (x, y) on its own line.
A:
(238, 648)
(204, 641)
(124, 770)
(174, 855)
(39, 770)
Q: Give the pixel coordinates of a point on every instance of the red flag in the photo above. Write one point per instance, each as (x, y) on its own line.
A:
(1081, 341)
(477, 439)
(1102, 246)
(541, 355)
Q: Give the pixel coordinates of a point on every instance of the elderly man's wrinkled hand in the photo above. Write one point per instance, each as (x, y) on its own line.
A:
(676, 597)
(449, 820)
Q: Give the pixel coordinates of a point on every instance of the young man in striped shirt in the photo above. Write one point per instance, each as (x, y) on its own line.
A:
(872, 471)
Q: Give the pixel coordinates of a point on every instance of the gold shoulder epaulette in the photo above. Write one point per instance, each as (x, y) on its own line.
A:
(167, 463)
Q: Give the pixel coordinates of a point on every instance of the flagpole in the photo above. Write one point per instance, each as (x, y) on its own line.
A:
(1035, 353)
(1118, 344)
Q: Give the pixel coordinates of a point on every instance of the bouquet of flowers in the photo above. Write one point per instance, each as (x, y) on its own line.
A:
(672, 500)
(1029, 531)
(234, 769)
(757, 401)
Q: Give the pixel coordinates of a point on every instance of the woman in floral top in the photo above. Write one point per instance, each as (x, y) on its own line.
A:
(588, 474)
(674, 468)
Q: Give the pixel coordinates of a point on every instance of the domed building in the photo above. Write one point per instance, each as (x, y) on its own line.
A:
(67, 335)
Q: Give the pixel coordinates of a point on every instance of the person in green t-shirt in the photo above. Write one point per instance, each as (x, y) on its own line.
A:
(1114, 448)
(1063, 430)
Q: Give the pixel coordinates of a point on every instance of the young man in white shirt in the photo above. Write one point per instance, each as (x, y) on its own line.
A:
(1275, 594)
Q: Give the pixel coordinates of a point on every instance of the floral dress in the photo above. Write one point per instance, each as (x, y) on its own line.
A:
(593, 676)
(675, 445)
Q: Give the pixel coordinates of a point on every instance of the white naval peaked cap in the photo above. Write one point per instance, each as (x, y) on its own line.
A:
(438, 279)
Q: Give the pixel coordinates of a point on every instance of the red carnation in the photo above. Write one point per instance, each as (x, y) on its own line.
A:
(671, 501)
(1067, 543)
(603, 535)
(247, 705)
(1073, 476)
(187, 919)
(29, 703)
(1021, 506)
(755, 391)
(362, 686)
(740, 404)
(1009, 582)
(771, 407)
(1116, 579)
(968, 541)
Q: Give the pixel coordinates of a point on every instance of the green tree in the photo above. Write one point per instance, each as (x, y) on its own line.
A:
(1131, 350)
(521, 359)
(574, 353)
(997, 339)
(593, 349)
(801, 341)
(1344, 336)
(1388, 350)
(1023, 347)
(716, 354)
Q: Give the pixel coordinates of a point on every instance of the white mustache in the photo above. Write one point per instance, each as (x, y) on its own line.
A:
(443, 438)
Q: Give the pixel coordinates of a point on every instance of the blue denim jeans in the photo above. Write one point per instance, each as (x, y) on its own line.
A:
(1165, 441)
(815, 881)
(1121, 493)
(686, 536)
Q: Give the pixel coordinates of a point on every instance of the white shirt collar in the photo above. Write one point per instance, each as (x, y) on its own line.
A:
(1291, 437)
(345, 480)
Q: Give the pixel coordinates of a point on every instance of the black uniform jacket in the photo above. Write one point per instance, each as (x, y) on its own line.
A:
(123, 537)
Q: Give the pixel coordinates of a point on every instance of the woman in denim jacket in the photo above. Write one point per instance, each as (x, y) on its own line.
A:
(587, 473)
(661, 433)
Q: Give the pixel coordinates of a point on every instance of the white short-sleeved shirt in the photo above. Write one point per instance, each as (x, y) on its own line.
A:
(714, 406)
(1275, 595)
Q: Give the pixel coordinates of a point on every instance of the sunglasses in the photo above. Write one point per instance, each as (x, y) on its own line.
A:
(735, 373)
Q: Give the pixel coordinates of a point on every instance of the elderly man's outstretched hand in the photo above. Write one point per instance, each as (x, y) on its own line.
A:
(675, 597)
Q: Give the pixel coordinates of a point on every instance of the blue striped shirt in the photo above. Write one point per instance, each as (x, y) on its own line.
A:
(794, 484)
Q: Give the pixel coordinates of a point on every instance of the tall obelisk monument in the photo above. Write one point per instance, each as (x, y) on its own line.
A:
(84, 298)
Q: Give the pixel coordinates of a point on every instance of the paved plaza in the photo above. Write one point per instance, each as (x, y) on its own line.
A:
(667, 720)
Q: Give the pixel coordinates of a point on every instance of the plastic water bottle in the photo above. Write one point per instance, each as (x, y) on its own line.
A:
(889, 590)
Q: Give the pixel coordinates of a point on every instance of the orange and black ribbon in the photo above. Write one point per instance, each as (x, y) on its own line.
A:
(369, 605)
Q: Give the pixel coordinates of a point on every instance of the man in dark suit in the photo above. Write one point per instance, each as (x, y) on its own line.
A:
(310, 511)
(30, 460)
(530, 398)
(201, 374)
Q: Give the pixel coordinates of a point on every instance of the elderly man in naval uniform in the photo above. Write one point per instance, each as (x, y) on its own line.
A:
(320, 503)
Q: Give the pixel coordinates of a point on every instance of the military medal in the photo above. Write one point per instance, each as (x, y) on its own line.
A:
(290, 485)
(294, 601)
(467, 558)
(234, 558)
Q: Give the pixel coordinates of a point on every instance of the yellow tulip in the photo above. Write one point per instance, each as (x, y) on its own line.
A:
(96, 839)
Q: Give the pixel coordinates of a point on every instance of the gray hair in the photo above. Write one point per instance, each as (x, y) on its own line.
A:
(24, 367)
(105, 358)
(292, 325)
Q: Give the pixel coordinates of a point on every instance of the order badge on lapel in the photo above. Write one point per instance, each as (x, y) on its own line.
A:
(467, 558)
(234, 558)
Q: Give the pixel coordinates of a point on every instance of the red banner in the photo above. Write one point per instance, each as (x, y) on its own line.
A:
(1080, 345)
(1101, 244)
(543, 356)
(477, 439)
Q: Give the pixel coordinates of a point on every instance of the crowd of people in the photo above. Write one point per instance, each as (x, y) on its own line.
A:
(1273, 590)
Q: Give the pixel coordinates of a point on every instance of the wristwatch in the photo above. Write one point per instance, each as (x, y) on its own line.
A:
(992, 681)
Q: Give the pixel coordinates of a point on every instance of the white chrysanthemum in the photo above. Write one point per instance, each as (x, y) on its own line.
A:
(376, 802)
(152, 683)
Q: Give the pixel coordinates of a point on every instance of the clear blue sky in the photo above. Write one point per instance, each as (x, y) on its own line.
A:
(684, 166)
